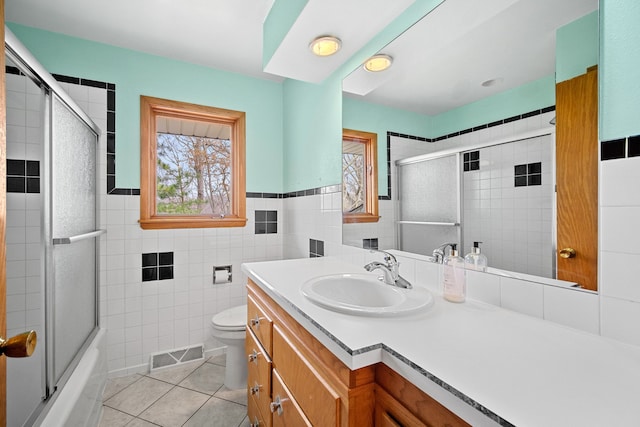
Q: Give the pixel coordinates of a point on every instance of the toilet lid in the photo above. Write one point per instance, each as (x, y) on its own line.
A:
(232, 319)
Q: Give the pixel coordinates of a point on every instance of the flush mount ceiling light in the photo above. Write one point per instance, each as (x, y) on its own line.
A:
(378, 63)
(325, 45)
(492, 82)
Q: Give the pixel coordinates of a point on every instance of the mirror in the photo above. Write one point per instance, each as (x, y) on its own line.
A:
(473, 79)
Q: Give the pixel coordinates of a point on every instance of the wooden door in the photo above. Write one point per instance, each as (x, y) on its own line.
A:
(3, 224)
(577, 178)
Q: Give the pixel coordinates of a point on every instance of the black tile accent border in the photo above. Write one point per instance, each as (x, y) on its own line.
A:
(477, 406)
(633, 146)
(613, 149)
(452, 135)
(23, 176)
(316, 248)
(157, 266)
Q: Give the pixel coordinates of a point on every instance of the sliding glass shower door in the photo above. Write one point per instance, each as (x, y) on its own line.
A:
(428, 203)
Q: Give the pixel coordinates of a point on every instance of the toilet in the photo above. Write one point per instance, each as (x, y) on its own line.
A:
(229, 328)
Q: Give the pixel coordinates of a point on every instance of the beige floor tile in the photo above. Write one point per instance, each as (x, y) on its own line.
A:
(218, 360)
(244, 423)
(218, 413)
(175, 408)
(208, 378)
(116, 385)
(137, 422)
(113, 418)
(176, 374)
(237, 396)
(138, 396)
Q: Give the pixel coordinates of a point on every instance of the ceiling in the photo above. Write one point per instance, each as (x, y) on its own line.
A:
(441, 62)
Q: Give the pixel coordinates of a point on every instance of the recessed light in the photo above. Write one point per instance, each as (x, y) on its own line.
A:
(325, 45)
(378, 63)
(492, 82)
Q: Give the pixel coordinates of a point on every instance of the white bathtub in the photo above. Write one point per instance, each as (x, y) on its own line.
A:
(79, 403)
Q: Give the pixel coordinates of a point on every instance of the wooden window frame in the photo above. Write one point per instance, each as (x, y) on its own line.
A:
(370, 141)
(150, 109)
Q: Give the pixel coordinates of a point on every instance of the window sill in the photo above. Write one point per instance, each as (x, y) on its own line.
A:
(168, 222)
(360, 217)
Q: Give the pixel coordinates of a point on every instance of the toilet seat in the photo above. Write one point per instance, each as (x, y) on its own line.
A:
(232, 319)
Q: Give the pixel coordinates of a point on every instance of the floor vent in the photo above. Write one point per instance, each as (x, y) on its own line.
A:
(175, 357)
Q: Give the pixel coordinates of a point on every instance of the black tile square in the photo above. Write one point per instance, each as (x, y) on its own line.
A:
(111, 164)
(320, 247)
(150, 259)
(474, 155)
(149, 274)
(520, 181)
(111, 120)
(16, 167)
(33, 168)
(466, 157)
(272, 228)
(33, 185)
(474, 166)
(374, 243)
(534, 168)
(111, 183)
(165, 273)
(165, 258)
(261, 216)
(272, 216)
(16, 184)
(535, 179)
(466, 167)
(111, 100)
(614, 149)
(633, 146)
(520, 170)
(111, 142)
(261, 228)
(312, 246)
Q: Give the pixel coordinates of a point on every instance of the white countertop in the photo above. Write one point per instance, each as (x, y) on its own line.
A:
(527, 371)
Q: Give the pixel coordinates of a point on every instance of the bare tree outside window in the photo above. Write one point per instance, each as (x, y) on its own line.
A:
(353, 183)
(193, 175)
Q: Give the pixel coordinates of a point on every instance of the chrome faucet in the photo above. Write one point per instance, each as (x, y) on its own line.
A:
(389, 268)
(438, 253)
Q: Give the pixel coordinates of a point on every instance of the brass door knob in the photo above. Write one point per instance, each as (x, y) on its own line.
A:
(21, 345)
(567, 253)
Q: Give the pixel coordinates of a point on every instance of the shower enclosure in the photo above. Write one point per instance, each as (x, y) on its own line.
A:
(52, 236)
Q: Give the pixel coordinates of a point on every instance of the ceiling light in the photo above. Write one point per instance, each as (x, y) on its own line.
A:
(492, 82)
(325, 45)
(378, 63)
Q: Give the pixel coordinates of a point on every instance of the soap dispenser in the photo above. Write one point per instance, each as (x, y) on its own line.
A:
(454, 286)
(475, 260)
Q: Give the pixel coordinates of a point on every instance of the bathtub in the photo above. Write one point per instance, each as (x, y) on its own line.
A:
(79, 403)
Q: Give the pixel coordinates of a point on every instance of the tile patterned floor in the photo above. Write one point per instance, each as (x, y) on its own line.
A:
(190, 395)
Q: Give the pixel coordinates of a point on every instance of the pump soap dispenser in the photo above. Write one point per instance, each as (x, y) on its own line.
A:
(454, 286)
(475, 260)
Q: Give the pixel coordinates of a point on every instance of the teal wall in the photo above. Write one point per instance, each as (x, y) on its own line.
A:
(136, 73)
(577, 47)
(618, 70)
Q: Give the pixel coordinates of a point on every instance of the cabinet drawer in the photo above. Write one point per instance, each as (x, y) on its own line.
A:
(317, 399)
(255, 415)
(258, 374)
(286, 411)
(259, 323)
(390, 413)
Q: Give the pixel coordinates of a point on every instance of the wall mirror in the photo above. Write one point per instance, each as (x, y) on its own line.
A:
(479, 83)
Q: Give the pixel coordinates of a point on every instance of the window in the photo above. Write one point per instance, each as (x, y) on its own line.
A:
(359, 176)
(192, 165)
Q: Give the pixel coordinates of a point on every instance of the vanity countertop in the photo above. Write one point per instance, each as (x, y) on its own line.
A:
(474, 358)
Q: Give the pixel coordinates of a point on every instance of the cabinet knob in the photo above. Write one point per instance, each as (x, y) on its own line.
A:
(276, 405)
(255, 322)
(255, 390)
(253, 357)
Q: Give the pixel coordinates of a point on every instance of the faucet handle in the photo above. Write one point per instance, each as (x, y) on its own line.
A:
(388, 257)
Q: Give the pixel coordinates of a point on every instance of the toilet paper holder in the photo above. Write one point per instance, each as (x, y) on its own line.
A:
(222, 274)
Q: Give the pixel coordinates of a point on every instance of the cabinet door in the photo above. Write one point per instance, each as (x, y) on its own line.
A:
(256, 419)
(258, 374)
(315, 396)
(286, 412)
(259, 323)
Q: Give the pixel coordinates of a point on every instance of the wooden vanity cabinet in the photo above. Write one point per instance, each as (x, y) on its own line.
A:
(294, 380)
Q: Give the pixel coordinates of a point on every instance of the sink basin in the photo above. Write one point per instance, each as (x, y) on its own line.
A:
(364, 295)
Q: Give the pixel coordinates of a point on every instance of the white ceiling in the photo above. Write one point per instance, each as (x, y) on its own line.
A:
(440, 62)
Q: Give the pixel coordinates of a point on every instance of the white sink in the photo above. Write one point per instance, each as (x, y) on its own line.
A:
(364, 295)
